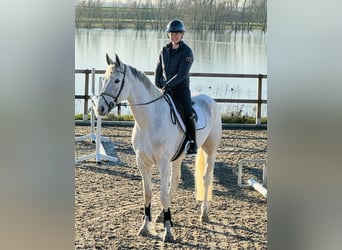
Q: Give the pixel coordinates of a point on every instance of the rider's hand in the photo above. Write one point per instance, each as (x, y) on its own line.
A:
(161, 83)
(167, 88)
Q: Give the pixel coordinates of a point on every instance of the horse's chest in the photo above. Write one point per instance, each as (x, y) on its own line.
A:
(148, 143)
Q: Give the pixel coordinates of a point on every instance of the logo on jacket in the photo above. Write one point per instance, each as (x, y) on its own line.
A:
(188, 59)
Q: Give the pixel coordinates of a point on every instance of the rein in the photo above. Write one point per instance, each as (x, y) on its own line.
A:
(144, 103)
(164, 95)
(110, 105)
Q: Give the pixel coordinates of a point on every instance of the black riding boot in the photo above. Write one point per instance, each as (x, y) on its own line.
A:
(191, 130)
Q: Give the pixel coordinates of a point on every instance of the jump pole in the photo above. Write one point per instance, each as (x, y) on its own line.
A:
(252, 182)
(95, 136)
(258, 187)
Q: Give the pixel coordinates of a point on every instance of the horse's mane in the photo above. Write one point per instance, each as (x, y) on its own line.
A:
(141, 76)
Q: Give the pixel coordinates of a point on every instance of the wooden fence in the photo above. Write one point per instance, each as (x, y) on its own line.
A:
(258, 101)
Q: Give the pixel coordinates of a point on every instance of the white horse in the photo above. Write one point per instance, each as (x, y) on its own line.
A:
(156, 137)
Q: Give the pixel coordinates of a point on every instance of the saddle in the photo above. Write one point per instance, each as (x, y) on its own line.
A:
(177, 113)
(177, 116)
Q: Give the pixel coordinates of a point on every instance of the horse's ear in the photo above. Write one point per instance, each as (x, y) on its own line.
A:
(109, 60)
(118, 61)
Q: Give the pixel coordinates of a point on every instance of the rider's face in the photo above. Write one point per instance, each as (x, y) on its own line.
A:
(175, 37)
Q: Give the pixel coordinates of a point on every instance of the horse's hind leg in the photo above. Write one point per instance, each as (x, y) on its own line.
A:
(208, 179)
(204, 177)
(147, 186)
(175, 177)
(209, 147)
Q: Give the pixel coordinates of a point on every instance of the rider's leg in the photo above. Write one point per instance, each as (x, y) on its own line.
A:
(183, 95)
(191, 130)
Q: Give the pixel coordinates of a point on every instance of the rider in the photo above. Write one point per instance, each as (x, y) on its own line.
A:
(172, 75)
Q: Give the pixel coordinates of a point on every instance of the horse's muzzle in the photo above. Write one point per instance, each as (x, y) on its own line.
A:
(101, 110)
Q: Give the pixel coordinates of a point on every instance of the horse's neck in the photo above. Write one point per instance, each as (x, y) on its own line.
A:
(142, 92)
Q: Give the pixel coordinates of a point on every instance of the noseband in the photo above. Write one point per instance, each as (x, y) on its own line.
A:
(111, 105)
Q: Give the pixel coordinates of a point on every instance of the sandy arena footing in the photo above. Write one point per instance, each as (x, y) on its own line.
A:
(109, 198)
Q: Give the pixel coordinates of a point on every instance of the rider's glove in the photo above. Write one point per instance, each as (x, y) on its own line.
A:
(167, 88)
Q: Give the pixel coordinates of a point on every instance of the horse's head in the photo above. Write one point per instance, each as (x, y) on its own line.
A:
(113, 89)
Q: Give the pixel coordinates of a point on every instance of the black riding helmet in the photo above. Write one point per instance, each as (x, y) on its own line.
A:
(175, 26)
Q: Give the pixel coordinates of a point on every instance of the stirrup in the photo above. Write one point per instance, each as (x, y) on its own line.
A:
(192, 150)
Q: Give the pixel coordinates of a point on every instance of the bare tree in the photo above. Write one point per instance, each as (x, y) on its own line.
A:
(243, 15)
(216, 15)
(258, 13)
(86, 12)
(98, 13)
(115, 15)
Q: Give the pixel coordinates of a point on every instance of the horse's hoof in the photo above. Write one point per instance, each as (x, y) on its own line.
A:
(205, 219)
(168, 233)
(143, 233)
(168, 237)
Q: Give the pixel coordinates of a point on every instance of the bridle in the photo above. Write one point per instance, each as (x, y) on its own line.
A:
(111, 105)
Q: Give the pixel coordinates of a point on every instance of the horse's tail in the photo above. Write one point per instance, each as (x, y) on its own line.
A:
(199, 172)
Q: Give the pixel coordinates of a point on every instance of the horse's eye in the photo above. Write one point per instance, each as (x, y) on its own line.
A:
(117, 81)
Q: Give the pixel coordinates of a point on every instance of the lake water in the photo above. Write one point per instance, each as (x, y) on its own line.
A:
(229, 52)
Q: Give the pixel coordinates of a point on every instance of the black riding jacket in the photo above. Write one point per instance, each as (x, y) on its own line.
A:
(173, 66)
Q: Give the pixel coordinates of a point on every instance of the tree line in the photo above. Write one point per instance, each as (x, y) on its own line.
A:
(201, 15)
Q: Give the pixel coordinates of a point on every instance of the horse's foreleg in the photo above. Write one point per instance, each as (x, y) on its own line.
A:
(147, 186)
(175, 177)
(167, 225)
(165, 200)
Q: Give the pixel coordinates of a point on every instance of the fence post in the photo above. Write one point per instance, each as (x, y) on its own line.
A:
(86, 86)
(93, 81)
(258, 113)
(119, 109)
